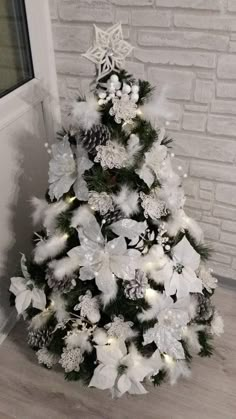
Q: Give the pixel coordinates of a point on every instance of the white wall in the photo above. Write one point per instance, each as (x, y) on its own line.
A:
(189, 45)
(23, 173)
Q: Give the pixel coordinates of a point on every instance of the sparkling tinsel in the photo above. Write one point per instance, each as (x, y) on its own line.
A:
(97, 135)
(71, 359)
(136, 288)
(40, 338)
(65, 285)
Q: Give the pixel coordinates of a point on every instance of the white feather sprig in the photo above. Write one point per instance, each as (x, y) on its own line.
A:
(50, 248)
(46, 213)
(64, 266)
(157, 110)
(127, 201)
(59, 307)
(85, 114)
(39, 208)
(180, 221)
(79, 339)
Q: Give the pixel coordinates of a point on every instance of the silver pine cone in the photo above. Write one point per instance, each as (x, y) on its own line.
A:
(39, 338)
(97, 135)
(136, 288)
(65, 285)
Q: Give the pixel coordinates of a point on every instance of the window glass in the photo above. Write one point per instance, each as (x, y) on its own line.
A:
(15, 55)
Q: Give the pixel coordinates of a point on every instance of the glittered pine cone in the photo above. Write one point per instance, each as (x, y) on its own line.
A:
(97, 135)
(65, 285)
(40, 338)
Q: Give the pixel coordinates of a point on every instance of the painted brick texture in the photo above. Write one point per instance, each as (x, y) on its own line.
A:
(189, 46)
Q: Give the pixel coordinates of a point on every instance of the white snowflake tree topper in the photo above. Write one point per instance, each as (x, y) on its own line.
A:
(109, 50)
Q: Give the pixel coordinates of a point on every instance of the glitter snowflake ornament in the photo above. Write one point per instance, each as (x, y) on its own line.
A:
(101, 202)
(120, 329)
(71, 359)
(112, 155)
(88, 307)
(124, 109)
(153, 207)
(109, 50)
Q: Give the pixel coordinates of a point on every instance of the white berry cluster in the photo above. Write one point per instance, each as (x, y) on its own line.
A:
(115, 88)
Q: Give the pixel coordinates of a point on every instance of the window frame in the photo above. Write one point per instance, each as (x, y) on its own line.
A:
(43, 87)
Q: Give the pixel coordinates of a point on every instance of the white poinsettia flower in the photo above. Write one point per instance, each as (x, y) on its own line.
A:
(172, 318)
(154, 161)
(119, 371)
(65, 170)
(62, 169)
(178, 274)
(104, 261)
(166, 339)
(165, 310)
(25, 291)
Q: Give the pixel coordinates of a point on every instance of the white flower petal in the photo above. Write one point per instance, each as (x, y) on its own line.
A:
(117, 246)
(146, 174)
(194, 283)
(23, 301)
(106, 281)
(185, 254)
(137, 388)
(80, 189)
(86, 274)
(109, 354)
(128, 228)
(38, 298)
(123, 384)
(18, 285)
(104, 377)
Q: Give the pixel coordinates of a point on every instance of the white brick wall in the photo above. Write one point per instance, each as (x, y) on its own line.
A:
(190, 45)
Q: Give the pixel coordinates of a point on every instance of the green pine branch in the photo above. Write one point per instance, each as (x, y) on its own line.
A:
(205, 340)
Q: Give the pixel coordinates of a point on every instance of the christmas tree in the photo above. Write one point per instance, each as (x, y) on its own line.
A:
(117, 291)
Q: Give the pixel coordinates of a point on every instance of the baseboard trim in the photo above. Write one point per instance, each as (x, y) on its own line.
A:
(8, 326)
(228, 283)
